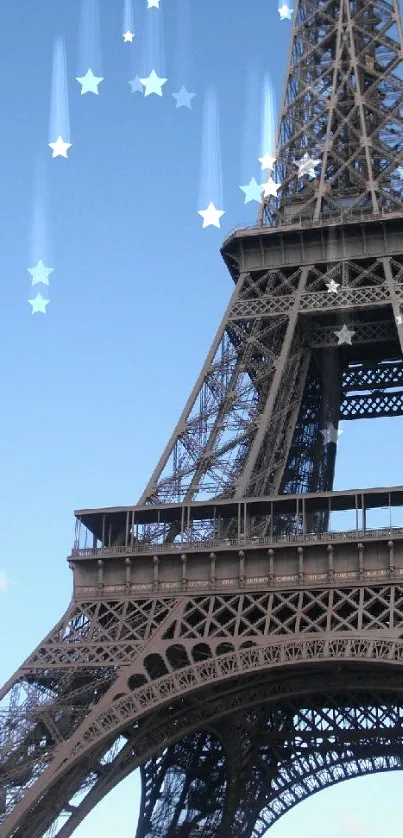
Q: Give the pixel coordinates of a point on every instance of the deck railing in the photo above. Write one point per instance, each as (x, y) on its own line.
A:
(240, 542)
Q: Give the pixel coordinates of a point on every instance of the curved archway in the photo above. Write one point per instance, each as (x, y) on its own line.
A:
(349, 687)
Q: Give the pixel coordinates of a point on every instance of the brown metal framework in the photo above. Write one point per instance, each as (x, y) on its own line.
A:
(230, 634)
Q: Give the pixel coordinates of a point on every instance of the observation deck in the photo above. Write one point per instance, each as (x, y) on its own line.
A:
(173, 548)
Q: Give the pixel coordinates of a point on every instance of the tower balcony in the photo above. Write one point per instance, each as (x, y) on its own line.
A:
(266, 542)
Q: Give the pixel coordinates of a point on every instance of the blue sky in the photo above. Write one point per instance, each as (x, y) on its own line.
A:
(91, 390)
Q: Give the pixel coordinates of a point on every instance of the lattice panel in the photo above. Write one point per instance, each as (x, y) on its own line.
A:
(342, 104)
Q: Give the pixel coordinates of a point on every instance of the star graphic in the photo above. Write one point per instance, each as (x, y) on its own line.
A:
(253, 191)
(153, 4)
(39, 273)
(211, 216)
(59, 148)
(153, 84)
(89, 82)
(306, 166)
(270, 188)
(136, 85)
(128, 37)
(330, 434)
(332, 286)
(344, 335)
(38, 304)
(183, 98)
(399, 319)
(285, 12)
(267, 161)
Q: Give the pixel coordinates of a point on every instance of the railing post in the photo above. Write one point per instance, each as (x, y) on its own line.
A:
(271, 566)
(391, 558)
(300, 552)
(128, 567)
(361, 560)
(184, 578)
(330, 565)
(212, 570)
(100, 574)
(155, 579)
(241, 555)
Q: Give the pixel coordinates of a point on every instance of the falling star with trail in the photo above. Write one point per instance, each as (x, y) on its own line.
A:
(89, 48)
(211, 216)
(153, 54)
(210, 190)
(270, 188)
(253, 191)
(128, 22)
(153, 84)
(40, 273)
(285, 12)
(59, 147)
(40, 239)
(267, 162)
(268, 136)
(182, 56)
(89, 83)
(250, 141)
(136, 85)
(183, 98)
(59, 123)
(39, 304)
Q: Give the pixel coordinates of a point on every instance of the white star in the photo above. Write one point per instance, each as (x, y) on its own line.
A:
(128, 37)
(153, 84)
(89, 82)
(153, 4)
(211, 216)
(332, 286)
(59, 148)
(306, 166)
(270, 188)
(285, 12)
(40, 273)
(344, 335)
(330, 434)
(399, 319)
(38, 304)
(267, 161)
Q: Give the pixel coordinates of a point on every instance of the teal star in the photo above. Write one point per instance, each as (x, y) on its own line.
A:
(39, 273)
(253, 191)
(136, 85)
(183, 98)
(89, 82)
(38, 304)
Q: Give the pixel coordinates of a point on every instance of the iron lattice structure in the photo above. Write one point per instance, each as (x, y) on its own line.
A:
(221, 635)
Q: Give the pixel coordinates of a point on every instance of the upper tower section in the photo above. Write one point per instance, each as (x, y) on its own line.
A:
(343, 106)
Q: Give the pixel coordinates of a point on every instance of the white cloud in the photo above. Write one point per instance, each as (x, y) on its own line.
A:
(5, 582)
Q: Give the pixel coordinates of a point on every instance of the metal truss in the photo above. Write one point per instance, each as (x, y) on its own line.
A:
(72, 724)
(252, 423)
(342, 103)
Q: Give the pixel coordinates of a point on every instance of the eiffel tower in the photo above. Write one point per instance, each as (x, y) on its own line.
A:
(222, 634)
